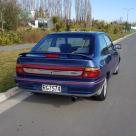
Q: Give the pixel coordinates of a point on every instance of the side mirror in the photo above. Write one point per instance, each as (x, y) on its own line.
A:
(117, 46)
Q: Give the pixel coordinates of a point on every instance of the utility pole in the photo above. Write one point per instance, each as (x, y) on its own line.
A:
(127, 12)
(128, 27)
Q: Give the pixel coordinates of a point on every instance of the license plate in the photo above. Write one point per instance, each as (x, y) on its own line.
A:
(51, 88)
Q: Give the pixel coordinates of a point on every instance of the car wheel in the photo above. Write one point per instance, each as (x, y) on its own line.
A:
(116, 70)
(102, 92)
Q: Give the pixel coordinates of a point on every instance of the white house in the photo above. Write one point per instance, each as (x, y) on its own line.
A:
(133, 27)
(41, 22)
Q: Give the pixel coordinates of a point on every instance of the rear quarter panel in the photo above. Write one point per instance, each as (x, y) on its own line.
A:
(101, 61)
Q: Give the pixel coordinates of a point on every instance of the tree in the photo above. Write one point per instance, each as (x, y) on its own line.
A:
(24, 17)
(83, 12)
(56, 22)
(67, 4)
(10, 14)
(88, 13)
(1, 15)
(41, 12)
(127, 26)
(28, 4)
(77, 9)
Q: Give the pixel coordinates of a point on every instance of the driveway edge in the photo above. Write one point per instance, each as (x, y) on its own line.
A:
(13, 91)
(9, 93)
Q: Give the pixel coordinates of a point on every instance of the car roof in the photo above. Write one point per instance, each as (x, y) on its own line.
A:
(79, 33)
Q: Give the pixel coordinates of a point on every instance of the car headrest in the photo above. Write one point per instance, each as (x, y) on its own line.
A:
(53, 49)
(66, 48)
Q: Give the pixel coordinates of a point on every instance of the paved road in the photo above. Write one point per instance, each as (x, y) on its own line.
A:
(58, 116)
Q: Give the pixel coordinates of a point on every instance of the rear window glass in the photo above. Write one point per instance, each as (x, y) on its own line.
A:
(65, 44)
(75, 42)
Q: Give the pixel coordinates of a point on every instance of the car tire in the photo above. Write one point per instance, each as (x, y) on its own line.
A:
(102, 92)
(116, 70)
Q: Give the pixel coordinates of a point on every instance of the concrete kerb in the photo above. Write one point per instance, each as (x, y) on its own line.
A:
(9, 93)
(127, 36)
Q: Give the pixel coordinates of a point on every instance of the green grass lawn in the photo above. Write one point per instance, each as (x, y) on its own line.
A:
(7, 68)
(117, 36)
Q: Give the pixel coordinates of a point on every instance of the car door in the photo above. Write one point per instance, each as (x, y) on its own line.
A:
(113, 52)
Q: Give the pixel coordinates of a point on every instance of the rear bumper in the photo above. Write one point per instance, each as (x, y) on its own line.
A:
(69, 88)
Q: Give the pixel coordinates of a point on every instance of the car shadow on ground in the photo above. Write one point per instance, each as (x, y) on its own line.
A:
(55, 100)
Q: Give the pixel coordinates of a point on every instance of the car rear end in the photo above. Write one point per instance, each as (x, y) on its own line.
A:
(61, 64)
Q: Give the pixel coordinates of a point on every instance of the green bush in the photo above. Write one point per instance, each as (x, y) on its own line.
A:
(27, 36)
(34, 35)
(7, 38)
(85, 29)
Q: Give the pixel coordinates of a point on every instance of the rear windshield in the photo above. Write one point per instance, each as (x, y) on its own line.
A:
(65, 44)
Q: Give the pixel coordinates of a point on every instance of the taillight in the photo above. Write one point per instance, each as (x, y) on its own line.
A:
(19, 69)
(91, 73)
(52, 55)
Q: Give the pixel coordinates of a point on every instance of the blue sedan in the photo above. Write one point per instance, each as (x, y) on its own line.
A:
(76, 64)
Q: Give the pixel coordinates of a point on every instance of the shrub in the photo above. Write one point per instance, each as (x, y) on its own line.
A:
(33, 36)
(28, 36)
(85, 29)
(7, 38)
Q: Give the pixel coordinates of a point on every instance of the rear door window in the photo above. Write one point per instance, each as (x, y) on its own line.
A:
(102, 42)
(109, 42)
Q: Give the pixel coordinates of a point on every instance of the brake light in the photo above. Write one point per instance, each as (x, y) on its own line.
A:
(52, 55)
(19, 68)
(91, 73)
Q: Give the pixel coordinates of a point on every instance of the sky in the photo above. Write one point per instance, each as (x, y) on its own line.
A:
(111, 10)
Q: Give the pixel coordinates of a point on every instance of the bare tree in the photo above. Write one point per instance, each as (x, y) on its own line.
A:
(83, 11)
(61, 8)
(77, 9)
(50, 7)
(67, 4)
(12, 18)
(89, 13)
(1, 14)
(32, 2)
(29, 4)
